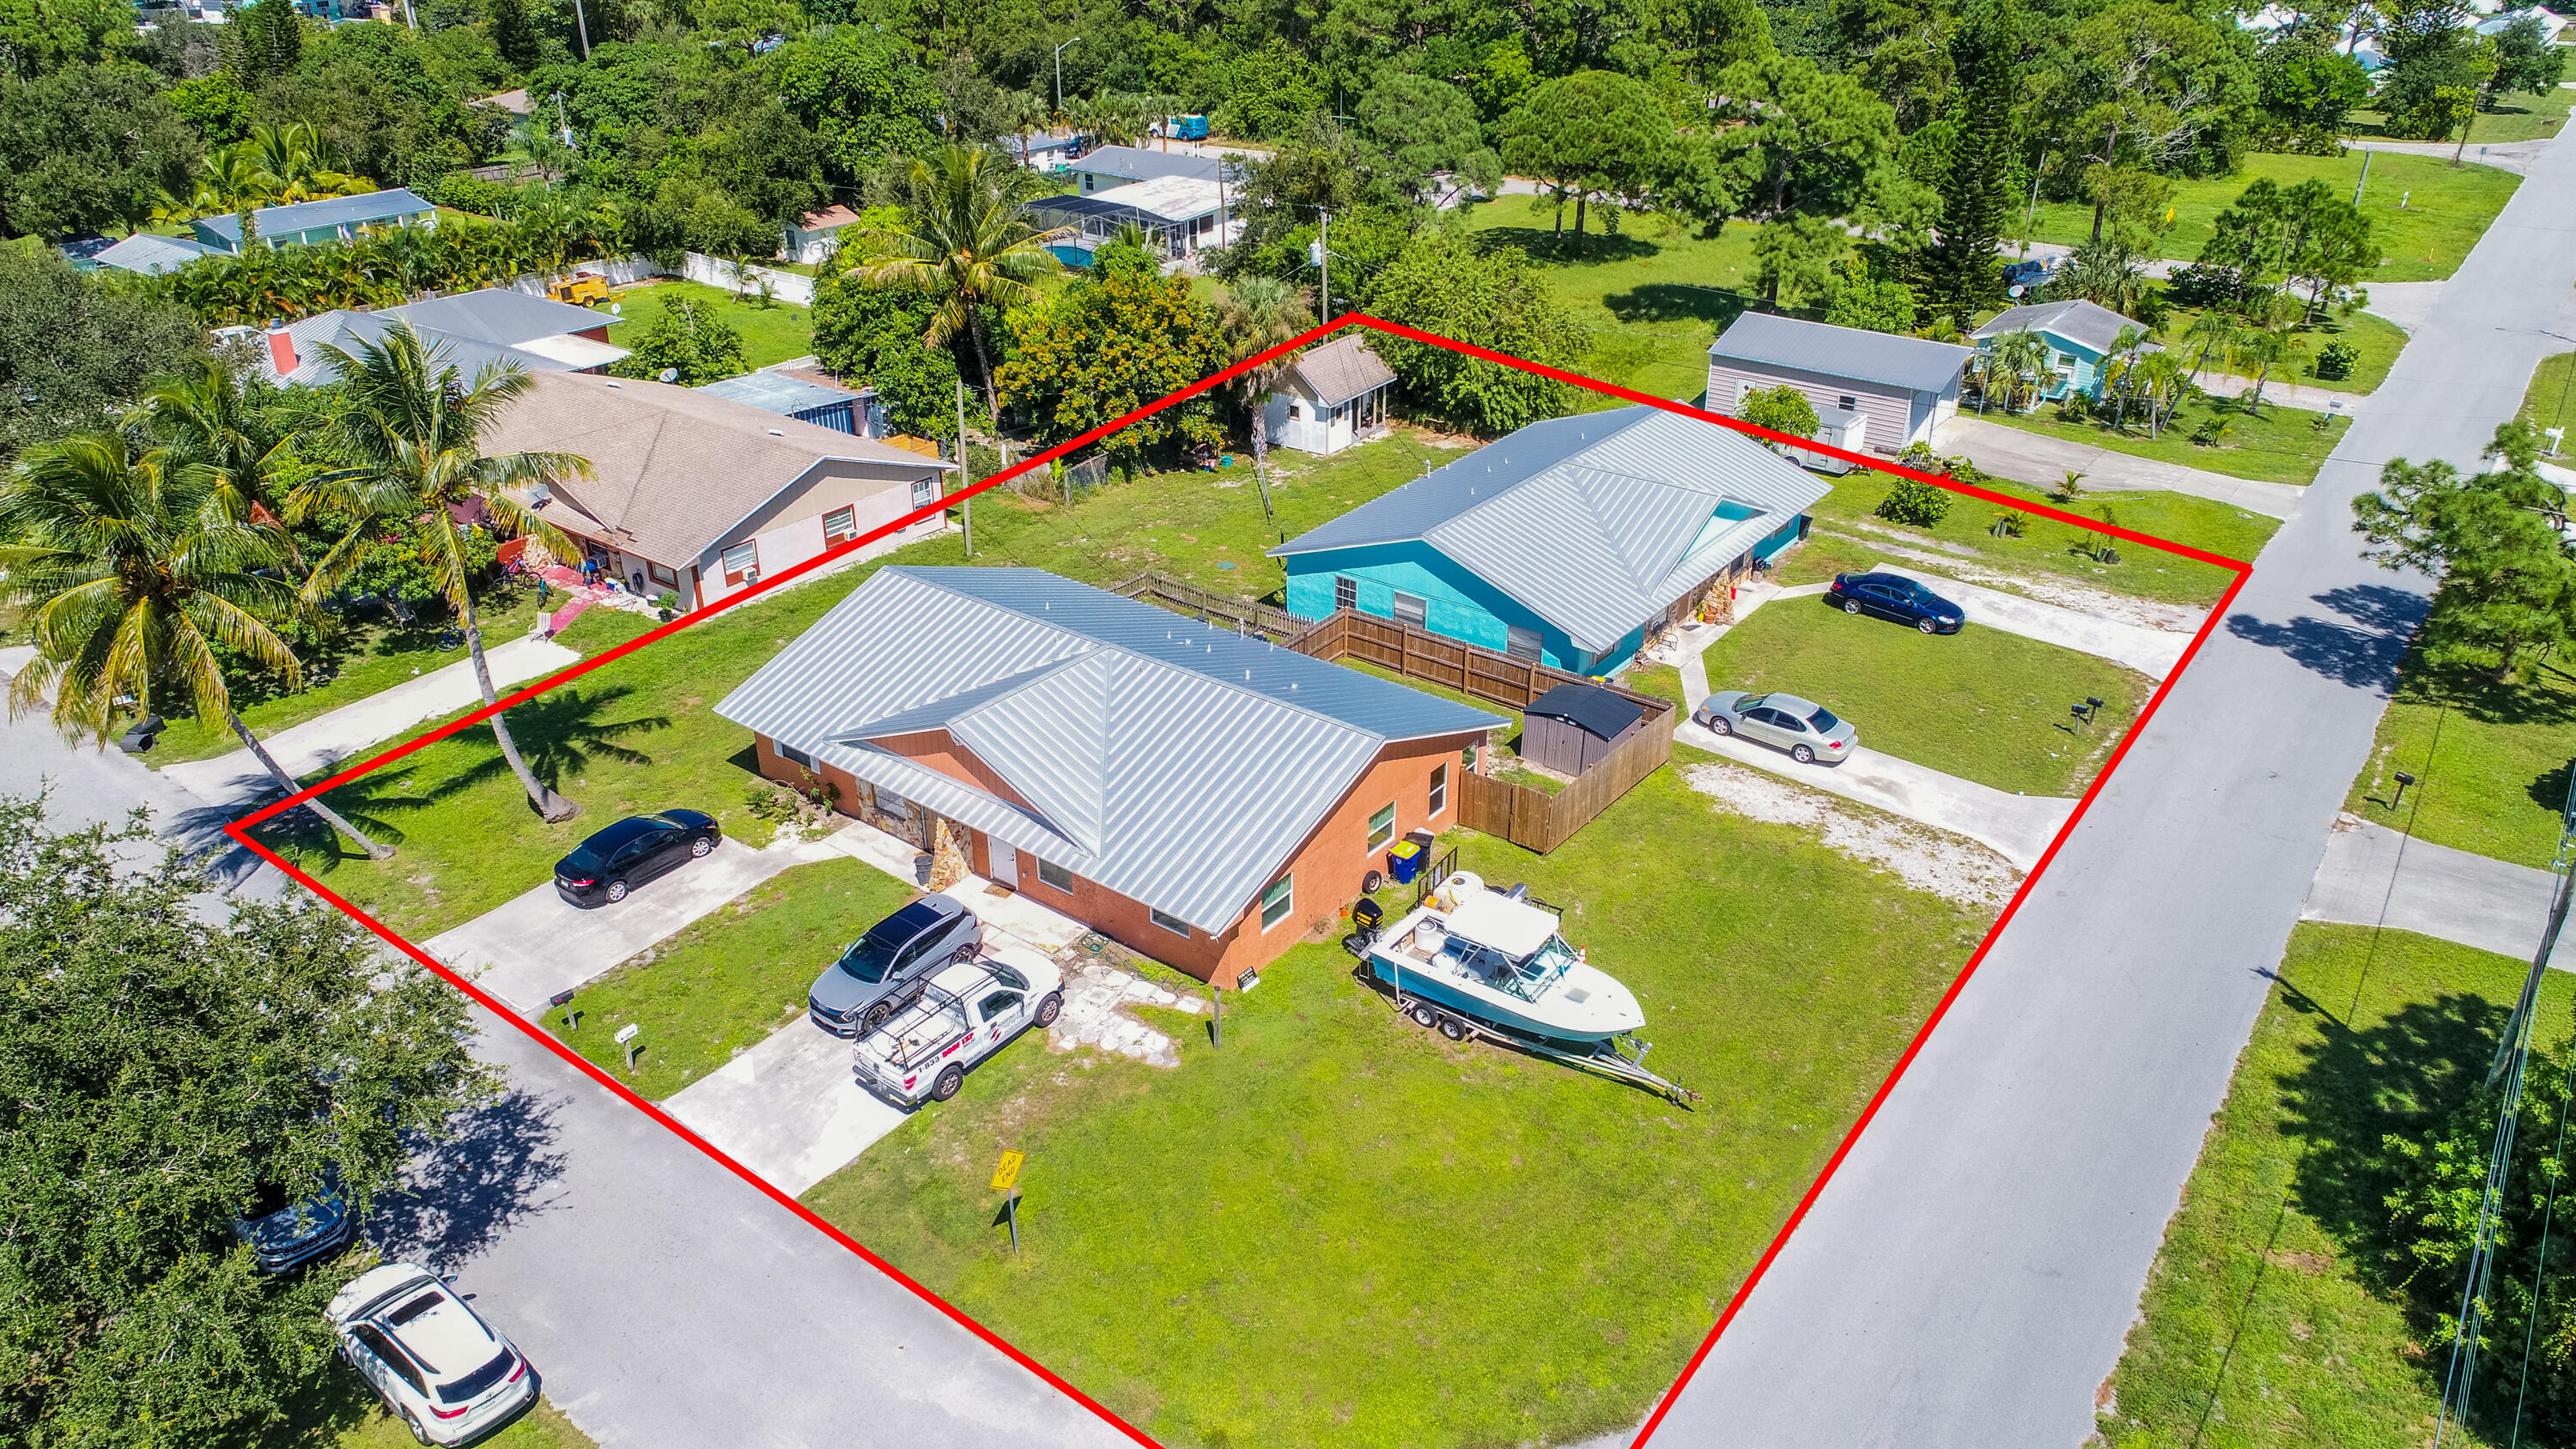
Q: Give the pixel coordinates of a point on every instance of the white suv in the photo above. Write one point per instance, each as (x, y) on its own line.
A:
(439, 1366)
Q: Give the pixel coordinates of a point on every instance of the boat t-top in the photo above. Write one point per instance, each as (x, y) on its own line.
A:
(1498, 958)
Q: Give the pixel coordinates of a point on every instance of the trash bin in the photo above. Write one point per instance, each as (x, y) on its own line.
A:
(1404, 861)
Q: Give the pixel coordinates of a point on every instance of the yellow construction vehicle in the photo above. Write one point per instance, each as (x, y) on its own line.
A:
(581, 289)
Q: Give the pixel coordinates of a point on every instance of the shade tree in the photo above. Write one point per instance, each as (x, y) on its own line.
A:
(2493, 539)
(1594, 137)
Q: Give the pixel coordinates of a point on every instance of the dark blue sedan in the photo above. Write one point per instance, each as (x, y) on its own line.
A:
(1894, 596)
(632, 851)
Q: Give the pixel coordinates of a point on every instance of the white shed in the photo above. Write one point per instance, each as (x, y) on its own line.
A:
(1336, 396)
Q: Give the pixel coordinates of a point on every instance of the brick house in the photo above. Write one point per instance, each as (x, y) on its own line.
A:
(1202, 798)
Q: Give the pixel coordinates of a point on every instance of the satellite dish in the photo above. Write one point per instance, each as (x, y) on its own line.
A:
(2015, 290)
(616, 309)
(670, 374)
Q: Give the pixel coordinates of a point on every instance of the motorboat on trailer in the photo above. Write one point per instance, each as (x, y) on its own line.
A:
(1498, 958)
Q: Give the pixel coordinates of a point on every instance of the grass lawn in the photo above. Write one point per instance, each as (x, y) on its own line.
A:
(638, 734)
(1340, 1230)
(366, 658)
(729, 980)
(769, 334)
(2446, 208)
(543, 1427)
(2269, 1318)
(2551, 400)
(2282, 445)
(2375, 340)
(1654, 296)
(2490, 760)
(2046, 546)
(1981, 703)
(2517, 116)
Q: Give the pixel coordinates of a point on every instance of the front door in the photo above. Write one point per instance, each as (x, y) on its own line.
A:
(1006, 861)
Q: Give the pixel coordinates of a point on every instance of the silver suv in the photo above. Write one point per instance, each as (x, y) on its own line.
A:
(885, 970)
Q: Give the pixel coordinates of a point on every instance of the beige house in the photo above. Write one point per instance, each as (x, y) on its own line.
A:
(702, 497)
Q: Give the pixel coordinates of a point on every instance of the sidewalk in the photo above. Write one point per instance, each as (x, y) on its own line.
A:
(2043, 461)
(329, 739)
(2016, 827)
(2375, 876)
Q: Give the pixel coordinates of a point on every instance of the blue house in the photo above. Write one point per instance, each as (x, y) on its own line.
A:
(333, 218)
(2081, 336)
(1563, 543)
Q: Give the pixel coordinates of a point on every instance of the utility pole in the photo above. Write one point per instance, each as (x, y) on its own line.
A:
(2364, 181)
(1059, 73)
(965, 474)
(582, 23)
(1320, 253)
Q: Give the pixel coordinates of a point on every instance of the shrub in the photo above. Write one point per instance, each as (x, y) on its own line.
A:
(2077, 407)
(2335, 361)
(1782, 409)
(1919, 504)
(2201, 285)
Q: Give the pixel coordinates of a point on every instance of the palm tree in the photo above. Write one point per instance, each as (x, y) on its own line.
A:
(970, 246)
(2215, 332)
(2127, 345)
(229, 178)
(2265, 354)
(2161, 379)
(412, 422)
(1021, 112)
(1261, 313)
(298, 163)
(2022, 357)
(202, 417)
(132, 570)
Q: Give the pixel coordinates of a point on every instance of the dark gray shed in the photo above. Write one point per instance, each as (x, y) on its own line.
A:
(1569, 728)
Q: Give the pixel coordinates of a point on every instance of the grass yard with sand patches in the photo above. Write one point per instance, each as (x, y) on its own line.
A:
(1981, 704)
(1340, 1229)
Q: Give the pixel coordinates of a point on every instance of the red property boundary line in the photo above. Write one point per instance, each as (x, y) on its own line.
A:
(239, 830)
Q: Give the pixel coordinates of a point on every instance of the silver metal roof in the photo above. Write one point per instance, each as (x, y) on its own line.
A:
(1914, 363)
(365, 209)
(773, 392)
(2095, 326)
(151, 254)
(1135, 163)
(1171, 761)
(1595, 523)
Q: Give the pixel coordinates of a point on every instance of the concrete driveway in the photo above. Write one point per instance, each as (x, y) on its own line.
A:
(791, 1108)
(540, 944)
(2043, 461)
(2375, 876)
(2151, 652)
(330, 739)
(2017, 827)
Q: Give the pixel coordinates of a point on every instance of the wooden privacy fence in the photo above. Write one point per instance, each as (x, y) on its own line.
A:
(1182, 597)
(1530, 818)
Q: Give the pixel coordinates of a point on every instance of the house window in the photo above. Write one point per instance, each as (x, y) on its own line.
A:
(661, 575)
(1521, 643)
(1382, 827)
(1849, 403)
(1173, 924)
(925, 491)
(1346, 592)
(794, 756)
(1278, 901)
(839, 525)
(1412, 609)
(1439, 788)
(1295, 411)
(2066, 359)
(742, 561)
(1056, 875)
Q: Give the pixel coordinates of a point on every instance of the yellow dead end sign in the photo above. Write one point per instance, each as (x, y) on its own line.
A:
(1006, 1178)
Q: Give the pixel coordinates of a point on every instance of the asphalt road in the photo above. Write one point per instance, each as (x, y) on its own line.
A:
(1969, 1275)
(668, 1304)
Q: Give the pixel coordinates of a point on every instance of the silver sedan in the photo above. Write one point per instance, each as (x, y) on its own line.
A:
(1806, 729)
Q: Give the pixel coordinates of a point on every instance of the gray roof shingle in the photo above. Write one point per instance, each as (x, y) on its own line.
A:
(1595, 523)
(1913, 363)
(1342, 369)
(2090, 323)
(1173, 762)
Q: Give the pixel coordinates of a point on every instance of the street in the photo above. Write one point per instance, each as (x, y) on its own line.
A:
(1969, 1274)
(668, 1303)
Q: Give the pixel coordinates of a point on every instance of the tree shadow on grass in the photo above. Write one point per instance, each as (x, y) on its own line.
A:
(1678, 302)
(2469, 685)
(2403, 1076)
(560, 734)
(1591, 249)
(499, 1169)
(375, 803)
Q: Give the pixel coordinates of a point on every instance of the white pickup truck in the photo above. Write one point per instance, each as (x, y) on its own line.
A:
(966, 1013)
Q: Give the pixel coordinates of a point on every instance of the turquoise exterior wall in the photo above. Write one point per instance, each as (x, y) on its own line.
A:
(1457, 602)
(2088, 365)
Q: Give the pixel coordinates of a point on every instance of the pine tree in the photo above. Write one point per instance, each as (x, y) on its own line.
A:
(1964, 268)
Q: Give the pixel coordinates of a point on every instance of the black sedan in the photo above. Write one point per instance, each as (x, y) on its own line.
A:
(632, 851)
(1894, 596)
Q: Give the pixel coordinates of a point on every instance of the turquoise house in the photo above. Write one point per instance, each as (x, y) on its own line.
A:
(1566, 542)
(2081, 337)
(332, 219)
